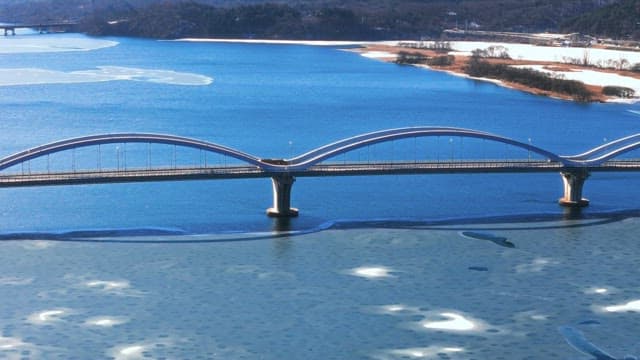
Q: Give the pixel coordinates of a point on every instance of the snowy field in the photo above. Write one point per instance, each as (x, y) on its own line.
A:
(564, 55)
(546, 54)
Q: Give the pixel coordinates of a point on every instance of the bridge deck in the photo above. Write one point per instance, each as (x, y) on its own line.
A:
(39, 25)
(328, 169)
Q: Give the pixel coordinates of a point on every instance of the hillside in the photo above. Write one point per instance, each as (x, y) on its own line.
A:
(304, 19)
(618, 21)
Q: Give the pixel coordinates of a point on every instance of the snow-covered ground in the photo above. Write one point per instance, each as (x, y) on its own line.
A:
(277, 42)
(564, 55)
(548, 53)
(593, 77)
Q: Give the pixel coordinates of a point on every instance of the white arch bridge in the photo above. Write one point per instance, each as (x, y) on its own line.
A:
(118, 158)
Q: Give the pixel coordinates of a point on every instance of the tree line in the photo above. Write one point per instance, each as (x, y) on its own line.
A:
(477, 67)
(617, 21)
(308, 19)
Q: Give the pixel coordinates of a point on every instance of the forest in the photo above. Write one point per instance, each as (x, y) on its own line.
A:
(621, 21)
(329, 19)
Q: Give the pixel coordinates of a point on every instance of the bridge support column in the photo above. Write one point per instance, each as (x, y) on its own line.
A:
(282, 185)
(573, 184)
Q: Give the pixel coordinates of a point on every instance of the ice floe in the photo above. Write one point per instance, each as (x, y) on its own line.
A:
(113, 287)
(141, 350)
(537, 265)
(38, 76)
(129, 352)
(37, 244)
(106, 321)
(371, 272)
(49, 44)
(452, 322)
(8, 280)
(49, 316)
(446, 320)
(598, 291)
(430, 352)
(631, 306)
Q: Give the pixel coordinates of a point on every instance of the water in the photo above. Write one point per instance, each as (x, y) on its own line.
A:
(375, 267)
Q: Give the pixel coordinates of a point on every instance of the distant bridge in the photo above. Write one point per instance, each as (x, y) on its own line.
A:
(44, 27)
(17, 171)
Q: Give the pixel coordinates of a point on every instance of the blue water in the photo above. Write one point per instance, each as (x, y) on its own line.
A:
(211, 280)
(278, 101)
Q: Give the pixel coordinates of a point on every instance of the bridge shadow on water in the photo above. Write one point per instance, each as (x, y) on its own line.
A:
(285, 228)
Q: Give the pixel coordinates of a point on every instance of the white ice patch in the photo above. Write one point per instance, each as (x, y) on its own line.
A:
(44, 44)
(108, 285)
(598, 291)
(527, 316)
(15, 281)
(137, 351)
(632, 306)
(371, 272)
(431, 352)
(129, 352)
(48, 316)
(392, 309)
(36, 76)
(395, 309)
(442, 320)
(537, 265)
(452, 322)
(8, 343)
(106, 321)
(113, 287)
(37, 244)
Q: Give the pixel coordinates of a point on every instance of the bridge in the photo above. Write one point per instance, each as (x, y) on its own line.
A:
(10, 29)
(133, 157)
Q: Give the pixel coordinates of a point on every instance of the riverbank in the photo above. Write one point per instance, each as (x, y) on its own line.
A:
(558, 62)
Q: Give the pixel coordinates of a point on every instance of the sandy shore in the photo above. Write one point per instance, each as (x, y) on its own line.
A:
(279, 42)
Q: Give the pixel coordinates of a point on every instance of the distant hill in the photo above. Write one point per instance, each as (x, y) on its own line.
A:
(618, 21)
(303, 19)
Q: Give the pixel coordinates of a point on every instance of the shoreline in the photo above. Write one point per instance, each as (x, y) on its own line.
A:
(595, 79)
(555, 61)
(276, 42)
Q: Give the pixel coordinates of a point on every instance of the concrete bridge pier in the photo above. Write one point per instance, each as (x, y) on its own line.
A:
(282, 185)
(573, 184)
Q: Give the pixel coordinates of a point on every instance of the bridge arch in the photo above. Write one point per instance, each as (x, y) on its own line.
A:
(93, 140)
(602, 149)
(612, 154)
(320, 154)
